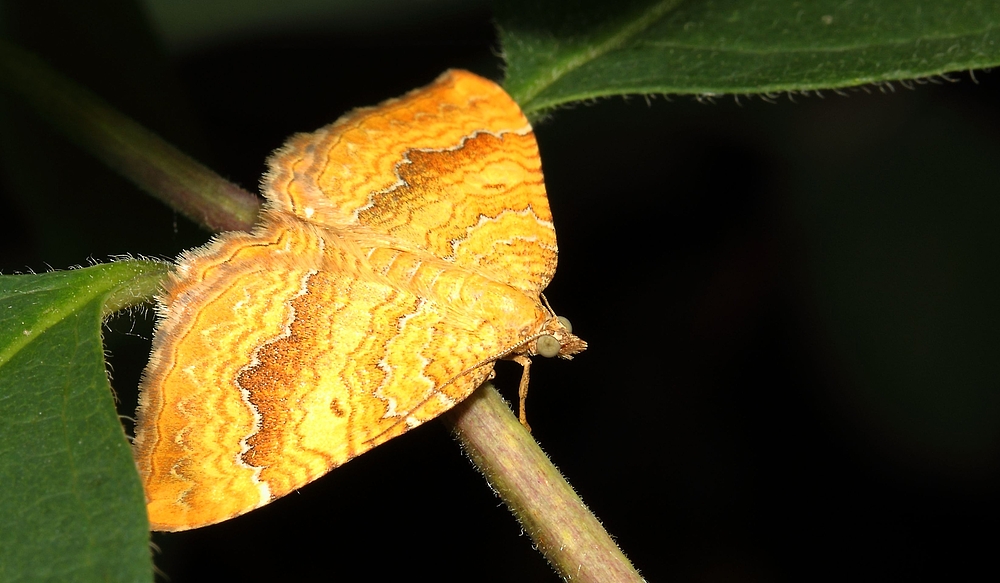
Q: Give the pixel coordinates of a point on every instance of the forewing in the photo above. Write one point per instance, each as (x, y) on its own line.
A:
(451, 169)
(338, 359)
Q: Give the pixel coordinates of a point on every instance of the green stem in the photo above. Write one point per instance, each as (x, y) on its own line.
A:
(128, 148)
(558, 522)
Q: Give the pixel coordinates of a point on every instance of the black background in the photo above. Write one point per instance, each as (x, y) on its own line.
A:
(791, 309)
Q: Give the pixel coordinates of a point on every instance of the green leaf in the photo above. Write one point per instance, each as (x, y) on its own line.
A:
(570, 51)
(71, 502)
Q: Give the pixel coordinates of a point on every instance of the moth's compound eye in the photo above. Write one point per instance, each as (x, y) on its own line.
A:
(547, 346)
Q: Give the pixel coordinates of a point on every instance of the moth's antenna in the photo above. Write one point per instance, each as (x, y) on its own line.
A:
(545, 300)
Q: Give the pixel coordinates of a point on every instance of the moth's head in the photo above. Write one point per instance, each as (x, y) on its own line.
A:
(557, 339)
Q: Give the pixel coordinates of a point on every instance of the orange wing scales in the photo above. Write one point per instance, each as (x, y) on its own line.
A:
(402, 251)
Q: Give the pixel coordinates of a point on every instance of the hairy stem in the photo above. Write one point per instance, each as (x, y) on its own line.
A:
(128, 148)
(558, 522)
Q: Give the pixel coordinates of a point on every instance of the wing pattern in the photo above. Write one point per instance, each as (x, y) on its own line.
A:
(402, 251)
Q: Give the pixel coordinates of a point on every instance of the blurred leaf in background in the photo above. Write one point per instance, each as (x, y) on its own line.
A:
(572, 51)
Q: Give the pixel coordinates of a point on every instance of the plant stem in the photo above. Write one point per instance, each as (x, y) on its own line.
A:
(555, 518)
(128, 148)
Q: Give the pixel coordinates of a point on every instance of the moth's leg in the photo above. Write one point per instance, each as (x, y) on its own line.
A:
(522, 389)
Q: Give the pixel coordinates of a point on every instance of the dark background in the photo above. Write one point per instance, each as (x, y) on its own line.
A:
(791, 307)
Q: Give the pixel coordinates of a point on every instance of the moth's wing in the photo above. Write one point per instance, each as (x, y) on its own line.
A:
(279, 361)
(452, 169)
